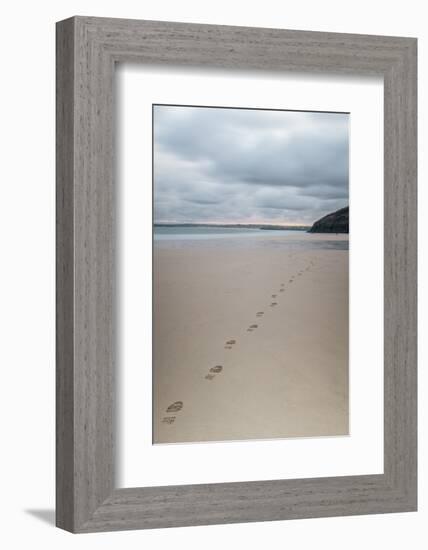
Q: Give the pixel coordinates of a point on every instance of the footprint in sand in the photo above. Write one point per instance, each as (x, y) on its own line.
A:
(230, 344)
(251, 328)
(168, 419)
(273, 295)
(209, 376)
(175, 407)
(281, 290)
(260, 313)
(290, 281)
(216, 369)
(273, 304)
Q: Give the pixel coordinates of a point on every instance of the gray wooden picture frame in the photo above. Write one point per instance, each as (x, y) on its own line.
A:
(87, 50)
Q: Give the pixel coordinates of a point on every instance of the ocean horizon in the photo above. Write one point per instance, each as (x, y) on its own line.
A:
(162, 232)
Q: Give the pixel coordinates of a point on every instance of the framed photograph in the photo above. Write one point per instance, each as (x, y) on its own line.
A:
(236, 274)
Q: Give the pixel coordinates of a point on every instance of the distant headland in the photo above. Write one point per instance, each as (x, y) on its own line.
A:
(236, 225)
(336, 222)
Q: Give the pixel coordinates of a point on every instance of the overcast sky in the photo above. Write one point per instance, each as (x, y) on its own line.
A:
(248, 166)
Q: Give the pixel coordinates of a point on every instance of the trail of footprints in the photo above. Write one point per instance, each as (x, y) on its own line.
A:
(230, 344)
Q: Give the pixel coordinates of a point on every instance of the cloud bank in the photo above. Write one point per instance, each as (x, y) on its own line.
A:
(248, 166)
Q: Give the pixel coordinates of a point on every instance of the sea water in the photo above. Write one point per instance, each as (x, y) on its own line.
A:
(177, 236)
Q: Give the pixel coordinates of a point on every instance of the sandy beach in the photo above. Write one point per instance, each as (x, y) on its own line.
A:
(250, 339)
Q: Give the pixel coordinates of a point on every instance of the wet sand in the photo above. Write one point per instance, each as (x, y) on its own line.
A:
(249, 342)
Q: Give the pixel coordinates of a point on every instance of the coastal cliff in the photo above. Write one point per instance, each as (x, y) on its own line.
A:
(336, 222)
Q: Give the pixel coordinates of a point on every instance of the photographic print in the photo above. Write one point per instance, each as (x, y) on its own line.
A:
(250, 274)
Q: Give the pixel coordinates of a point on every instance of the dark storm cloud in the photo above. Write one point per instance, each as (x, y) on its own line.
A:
(233, 165)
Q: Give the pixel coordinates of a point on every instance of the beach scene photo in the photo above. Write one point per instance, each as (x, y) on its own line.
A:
(250, 274)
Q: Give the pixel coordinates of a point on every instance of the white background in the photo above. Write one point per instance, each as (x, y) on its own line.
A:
(362, 451)
(27, 273)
